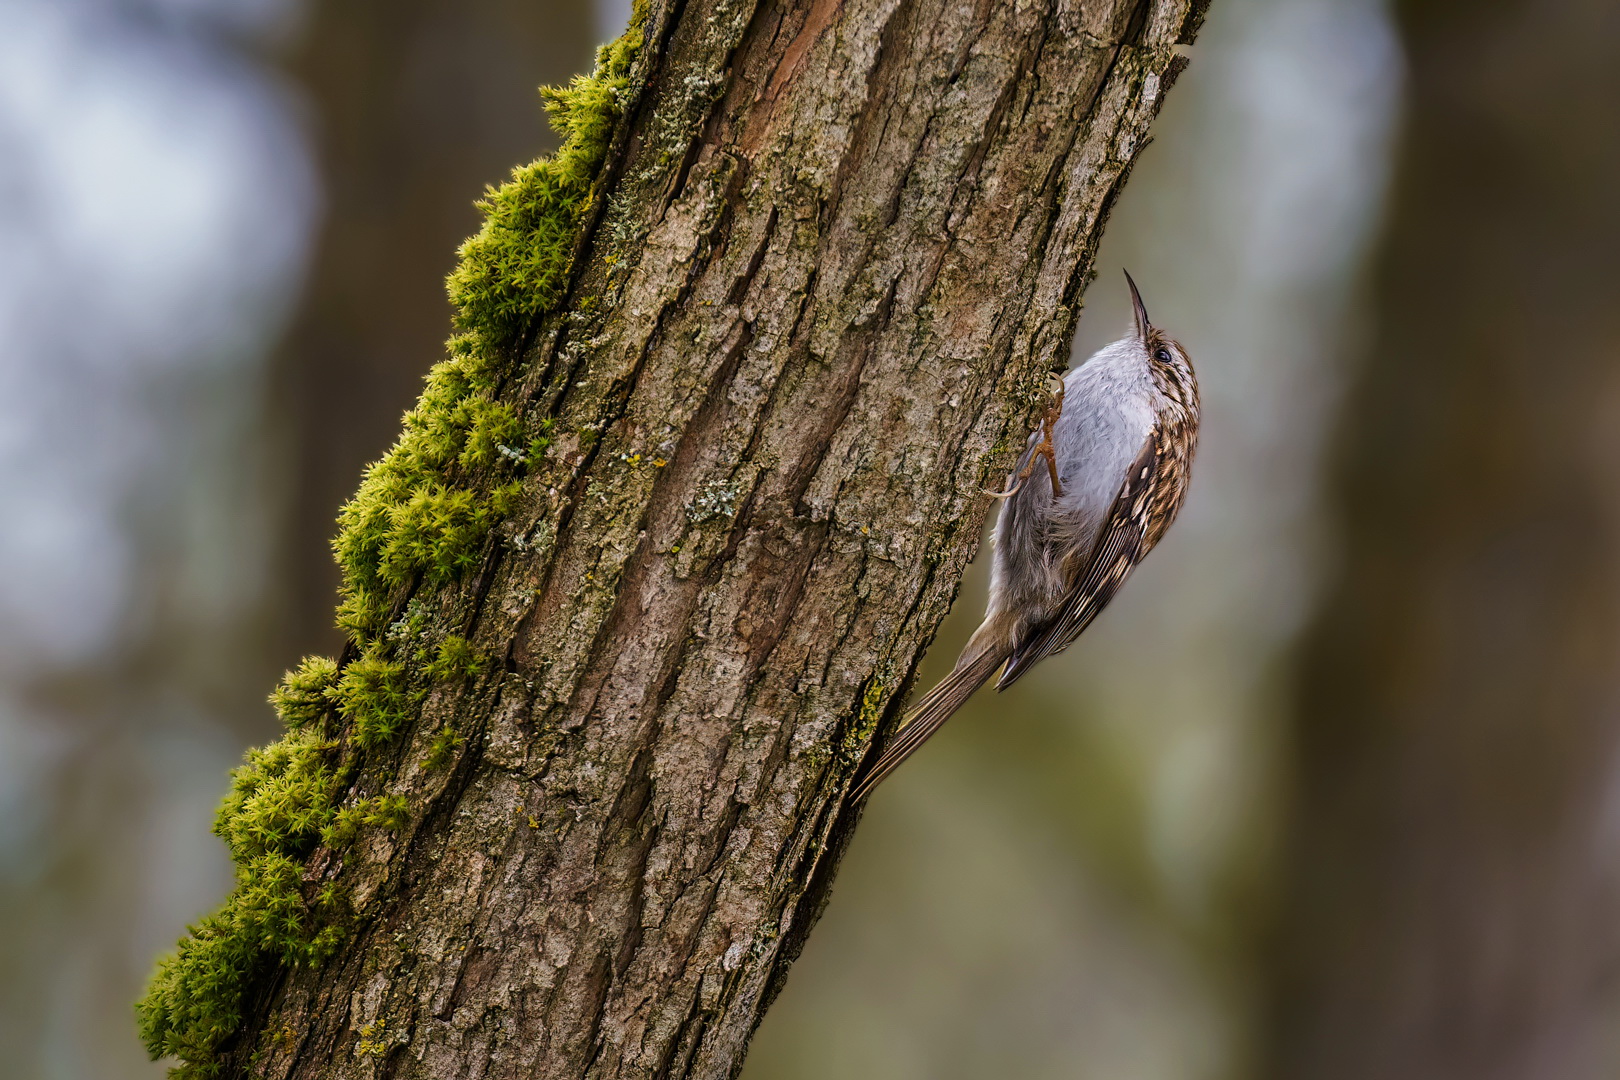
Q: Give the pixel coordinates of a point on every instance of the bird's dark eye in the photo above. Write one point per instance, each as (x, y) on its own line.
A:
(1162, 355)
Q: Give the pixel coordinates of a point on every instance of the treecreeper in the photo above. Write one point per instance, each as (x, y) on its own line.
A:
(1117, 446)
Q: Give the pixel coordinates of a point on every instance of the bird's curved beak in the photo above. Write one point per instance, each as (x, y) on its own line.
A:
(1142, 324)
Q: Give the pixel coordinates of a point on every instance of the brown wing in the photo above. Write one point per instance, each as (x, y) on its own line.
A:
(1150, 496)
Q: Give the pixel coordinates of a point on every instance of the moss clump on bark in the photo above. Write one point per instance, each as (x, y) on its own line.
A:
(381, 811)
(280, 798)
(303, 697)
(280, 802)
(455, 658)
(446, 741)
(420, 515)
(195, 1000)
(374, 696)
(516, 268)
(420, 519)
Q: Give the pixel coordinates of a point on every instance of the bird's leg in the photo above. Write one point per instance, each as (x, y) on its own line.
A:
(1043, 449)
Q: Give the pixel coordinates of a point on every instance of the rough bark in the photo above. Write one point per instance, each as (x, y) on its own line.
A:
(1453, 904)
(839, 246)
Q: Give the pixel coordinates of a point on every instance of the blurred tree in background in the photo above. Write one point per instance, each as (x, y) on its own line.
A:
(1453, 878)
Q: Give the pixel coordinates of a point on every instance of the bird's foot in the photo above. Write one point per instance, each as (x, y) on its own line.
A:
(1044, 450)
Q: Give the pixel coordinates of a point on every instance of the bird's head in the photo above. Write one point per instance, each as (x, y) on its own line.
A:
(1169, 362)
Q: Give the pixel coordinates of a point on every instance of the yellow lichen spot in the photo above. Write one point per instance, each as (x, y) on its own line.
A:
(659, 463)
(372, 1043)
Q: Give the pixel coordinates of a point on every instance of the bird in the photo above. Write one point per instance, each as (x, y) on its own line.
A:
(1118, 445)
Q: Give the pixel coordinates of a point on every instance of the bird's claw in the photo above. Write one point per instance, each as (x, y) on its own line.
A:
(1009, 493)
(1043, 449)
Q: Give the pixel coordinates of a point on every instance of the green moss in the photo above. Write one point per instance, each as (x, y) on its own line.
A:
(304, 696)
(374, 695)
(196, 997)
(455, 659)
(396, 532)
(444, 746)
(489, 427)
(415, 516)
(517, 267)
(389, 812)
(380, 811)
(279, 803)
(540, 443)
(420, 518)
(280, 798)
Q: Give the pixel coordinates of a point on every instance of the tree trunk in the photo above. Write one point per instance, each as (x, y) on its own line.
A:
(664, 540)
(1454, 902)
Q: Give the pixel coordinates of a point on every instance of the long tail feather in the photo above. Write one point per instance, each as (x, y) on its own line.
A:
(929, 714)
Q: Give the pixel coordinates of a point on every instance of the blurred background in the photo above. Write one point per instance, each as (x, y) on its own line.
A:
(1331, 792)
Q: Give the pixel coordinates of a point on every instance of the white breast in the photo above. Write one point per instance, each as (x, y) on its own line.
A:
(1109, 407)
